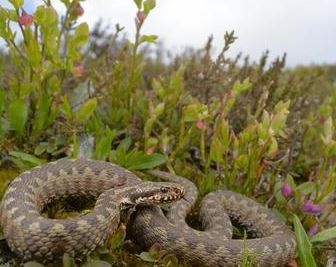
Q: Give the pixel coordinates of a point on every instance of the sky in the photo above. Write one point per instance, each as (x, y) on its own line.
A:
(304, 29)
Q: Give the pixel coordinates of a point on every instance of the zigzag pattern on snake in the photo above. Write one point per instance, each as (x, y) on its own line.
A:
(274, 246)
(32, 236)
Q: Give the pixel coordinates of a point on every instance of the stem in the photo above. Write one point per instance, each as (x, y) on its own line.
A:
(202, 146)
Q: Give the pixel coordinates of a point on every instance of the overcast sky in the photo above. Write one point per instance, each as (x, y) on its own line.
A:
(305, 29)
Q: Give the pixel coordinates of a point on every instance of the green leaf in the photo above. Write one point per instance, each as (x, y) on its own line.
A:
(125, 144)
(104, 143)
(144, 161)
(138, 160)
(96, 263)
(291, 182)
(148, 38)
(17, 115)
(34, 161)
(273, 147)
(16, 3)
(3, 23)
(328, 130)
(68, 261)
(33, 264)
(281, 106)
(303, 244)
(2, 99)
(117, 238)
(324, 235)
(242, 162)
(66, 108)
(81, 35)
(86, 110)
(66, 2)
(4, 127)
(331, 148)
(40, 148)
(149, 5)
(279, 121)
(145, 256)
(12, 16)
(240, 87)
(220, 140)
(47, 19)
(42, 114)
(135, 160)
(77, 41)
(306, 188)
(195, 111)
(75, 146)
(138, 3)
(33, 49)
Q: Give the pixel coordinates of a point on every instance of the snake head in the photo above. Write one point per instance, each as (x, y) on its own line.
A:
(150, 193)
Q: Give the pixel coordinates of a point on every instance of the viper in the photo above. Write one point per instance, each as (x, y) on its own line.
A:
(32, 236)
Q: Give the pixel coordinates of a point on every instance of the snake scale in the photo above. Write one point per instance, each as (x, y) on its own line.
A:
(32, 236)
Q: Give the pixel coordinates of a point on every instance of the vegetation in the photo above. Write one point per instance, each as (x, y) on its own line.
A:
(256, 128)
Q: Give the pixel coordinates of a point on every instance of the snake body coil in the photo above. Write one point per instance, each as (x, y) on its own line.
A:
(274, 244)
(34, 237)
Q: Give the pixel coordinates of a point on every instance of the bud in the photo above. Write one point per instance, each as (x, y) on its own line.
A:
(306, 206)
(322, 120)
(200, 124)
(79, 10)
(25, 19)
(286, 190)
(140, 18)
(159, 109)
(313, 229)
(150, 150)
(316, 209)
(310, 207)
(78, 70)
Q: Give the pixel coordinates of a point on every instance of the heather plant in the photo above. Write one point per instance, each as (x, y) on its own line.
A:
(42, 53)
(256, 128)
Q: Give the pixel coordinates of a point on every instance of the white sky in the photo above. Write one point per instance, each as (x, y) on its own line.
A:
(305, 29)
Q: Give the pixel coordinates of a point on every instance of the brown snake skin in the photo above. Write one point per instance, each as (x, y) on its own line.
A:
(275, 244)
(32, 236)
(35, 237)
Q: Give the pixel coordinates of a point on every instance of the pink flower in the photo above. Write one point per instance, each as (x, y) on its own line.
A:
(316, 209)
(200, 124)
(25, 19)
(322, 120)
(150, 150)
(310, 207)
(79, 10)
(286, 190)
(78, 70)
(313, 229)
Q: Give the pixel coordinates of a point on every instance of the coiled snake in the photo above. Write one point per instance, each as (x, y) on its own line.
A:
(32, 236)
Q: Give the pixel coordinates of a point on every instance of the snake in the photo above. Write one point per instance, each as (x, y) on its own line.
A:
(32, 236)
(274, 243)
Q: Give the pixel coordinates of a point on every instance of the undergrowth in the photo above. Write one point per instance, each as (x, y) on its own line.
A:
(252, 127)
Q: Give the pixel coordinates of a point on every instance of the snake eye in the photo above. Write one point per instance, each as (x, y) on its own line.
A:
(164, 190)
